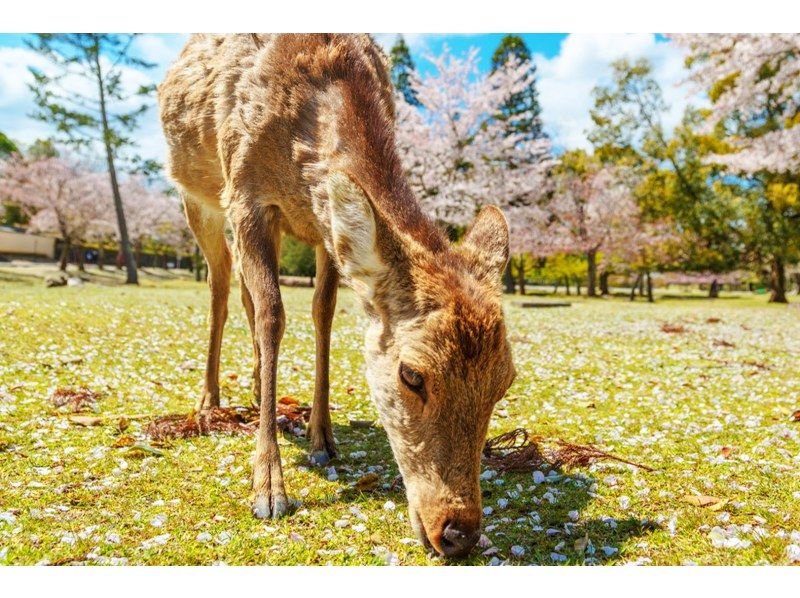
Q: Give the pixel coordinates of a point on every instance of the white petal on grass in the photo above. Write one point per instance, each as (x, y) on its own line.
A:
(156, 541)
(159, 520)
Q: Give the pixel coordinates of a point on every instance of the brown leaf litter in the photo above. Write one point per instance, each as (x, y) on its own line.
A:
(227, 420)
(518, 451)
(673, 328)
(76, 399)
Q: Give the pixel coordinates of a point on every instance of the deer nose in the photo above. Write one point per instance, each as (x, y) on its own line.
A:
(458, 539)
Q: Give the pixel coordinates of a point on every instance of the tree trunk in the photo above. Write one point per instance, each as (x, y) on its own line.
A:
(566, 284)
(649, 287)
(577, 286)
(713, 290)
(777, 279)
(197, 260)
(81, 258)
(591, 259)
(635, 286)
(521, 275)
(555, 288)
(508, 277)
(64, 255)
(641, 284)
(604, 283)
(131, 274)
(138, 253)
(101, 257)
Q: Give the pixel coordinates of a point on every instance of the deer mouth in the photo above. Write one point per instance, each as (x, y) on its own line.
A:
(419, 529)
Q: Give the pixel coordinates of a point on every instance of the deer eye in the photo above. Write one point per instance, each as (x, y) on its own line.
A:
(412, 379)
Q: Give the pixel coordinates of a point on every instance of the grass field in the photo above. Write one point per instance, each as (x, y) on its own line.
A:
(709, 408)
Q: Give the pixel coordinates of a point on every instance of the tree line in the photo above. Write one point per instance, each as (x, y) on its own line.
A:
(716, 194)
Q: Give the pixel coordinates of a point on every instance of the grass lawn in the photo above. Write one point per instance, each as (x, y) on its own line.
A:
(709, 408)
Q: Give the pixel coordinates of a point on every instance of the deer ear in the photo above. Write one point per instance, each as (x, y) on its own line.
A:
(487, 241)
(353, 228)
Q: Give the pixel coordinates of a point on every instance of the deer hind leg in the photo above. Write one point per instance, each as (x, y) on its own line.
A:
(320, 432)
(208, 227)
(257, 235)
(247, 302)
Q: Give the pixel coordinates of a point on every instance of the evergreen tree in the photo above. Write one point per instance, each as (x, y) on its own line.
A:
(521, 110)
(88, 120)
(522, 114)
(402, 67)
(7, 146)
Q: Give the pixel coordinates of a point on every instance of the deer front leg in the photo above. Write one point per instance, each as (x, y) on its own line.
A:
(258, 242)
(320, 432)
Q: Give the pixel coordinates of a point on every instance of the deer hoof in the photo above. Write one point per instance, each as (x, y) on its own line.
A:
(270, 507)
(319, 458)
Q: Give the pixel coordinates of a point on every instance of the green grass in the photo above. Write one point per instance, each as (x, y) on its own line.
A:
(671, 401)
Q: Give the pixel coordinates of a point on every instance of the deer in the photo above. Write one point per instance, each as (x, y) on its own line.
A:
(294, 133)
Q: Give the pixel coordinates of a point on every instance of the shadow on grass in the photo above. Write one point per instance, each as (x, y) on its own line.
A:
(543, 519)
(529, 519)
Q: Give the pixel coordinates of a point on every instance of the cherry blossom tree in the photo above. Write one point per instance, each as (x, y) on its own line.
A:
(590, 210)
(753, 81)
(155, 218)
(751, 76)
(60, 196)
(459, 156)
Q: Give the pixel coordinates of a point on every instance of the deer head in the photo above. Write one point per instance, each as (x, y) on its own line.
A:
(436, 352)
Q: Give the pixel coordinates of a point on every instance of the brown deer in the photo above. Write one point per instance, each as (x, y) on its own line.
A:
(295, 133)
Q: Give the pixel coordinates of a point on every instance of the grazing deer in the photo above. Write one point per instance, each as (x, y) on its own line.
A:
(295, 133)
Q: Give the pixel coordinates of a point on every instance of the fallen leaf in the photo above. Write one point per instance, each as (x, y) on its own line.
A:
(710, 502)
(85, 420)
(726, 451)
(288, 401)
(142, 447)
(591, 406)
(122, 424)
(713, 321)
(795, 417)
(721, 342)
(673, 328)
(350, 389)
(124, 441)
(361, 423)
(367, 482)
(581, 544)
(75, 399)
(719, 506)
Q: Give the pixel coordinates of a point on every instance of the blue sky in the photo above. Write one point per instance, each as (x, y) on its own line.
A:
(569, 66)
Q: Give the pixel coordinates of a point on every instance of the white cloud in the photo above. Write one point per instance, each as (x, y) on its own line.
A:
(417, 42)
(16, 99)
(566, 80)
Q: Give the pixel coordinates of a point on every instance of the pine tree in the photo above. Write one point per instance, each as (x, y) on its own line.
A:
(402, 67)
(90, 120)
(521, 110)
(7, 147)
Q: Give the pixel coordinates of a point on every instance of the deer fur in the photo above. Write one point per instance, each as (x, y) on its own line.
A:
(295, 133)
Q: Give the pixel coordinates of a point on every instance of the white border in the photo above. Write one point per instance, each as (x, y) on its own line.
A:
(415, 582)
(455, 16)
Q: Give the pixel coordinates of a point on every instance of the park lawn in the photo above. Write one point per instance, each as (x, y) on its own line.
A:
(601, 372)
